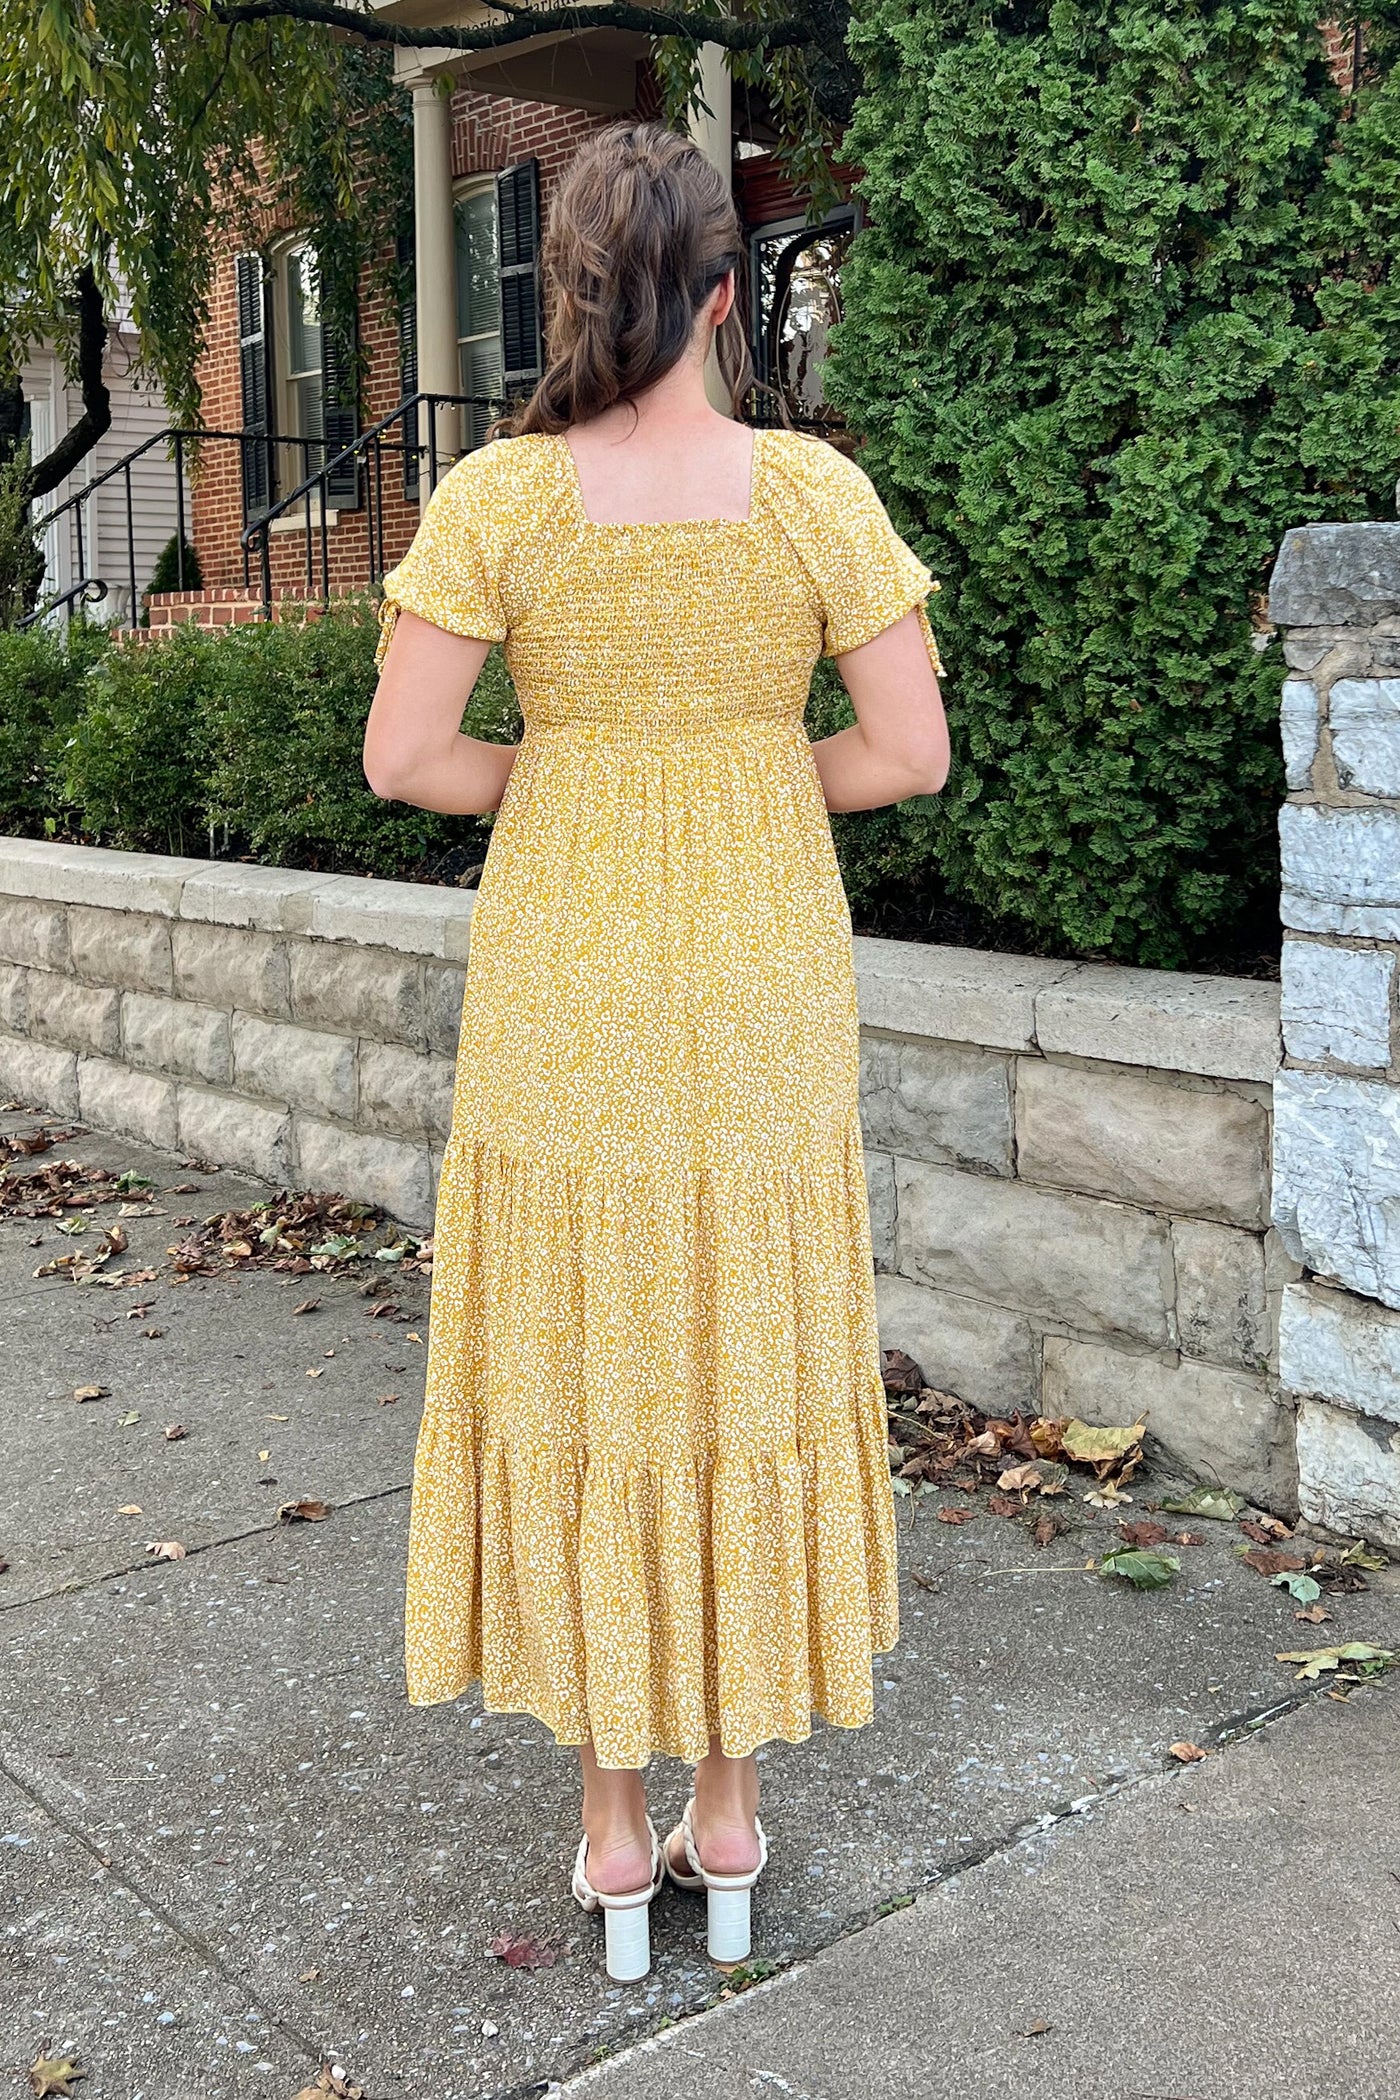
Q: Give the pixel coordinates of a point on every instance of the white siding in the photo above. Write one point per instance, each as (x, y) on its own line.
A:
(138, 413)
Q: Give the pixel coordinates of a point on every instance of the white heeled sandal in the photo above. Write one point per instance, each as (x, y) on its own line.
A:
(626, 1917)
(729, 1935)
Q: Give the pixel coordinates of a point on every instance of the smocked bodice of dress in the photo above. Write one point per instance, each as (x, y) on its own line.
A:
(659, 629)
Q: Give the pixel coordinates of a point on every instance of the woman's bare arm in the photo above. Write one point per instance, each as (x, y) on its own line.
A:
(414, 748)
(899, 744)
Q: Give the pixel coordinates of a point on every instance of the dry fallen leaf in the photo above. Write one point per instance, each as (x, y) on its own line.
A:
(1099, 1447)
(412, 1337)
(518, 1950)
(1036, 2027)
(333, 2079)
(53, 2074)
(308, 1508)
(129, 1509)
(1106, 1494)
(1046, 1526)
(1186, 1753)
(167, 1549)
(1266, 1560)
(1020, 1479)
(900, 1372)
(956, 1513)
(1144, 1532)
(1263, 1529)
(307, 1305)
(91, 1392)
(174, 1433)
(1315, 1615)
(1004, 1506)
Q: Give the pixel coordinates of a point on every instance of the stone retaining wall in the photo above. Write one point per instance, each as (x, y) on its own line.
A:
(1336, 593)
(1068, 1163)
(1068, 1168)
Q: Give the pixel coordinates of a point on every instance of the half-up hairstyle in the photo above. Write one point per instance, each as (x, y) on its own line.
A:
(639, 232)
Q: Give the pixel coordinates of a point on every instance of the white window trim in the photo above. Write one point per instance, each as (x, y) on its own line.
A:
(472, 186)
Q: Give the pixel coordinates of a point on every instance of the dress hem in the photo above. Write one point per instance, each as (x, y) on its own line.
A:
(660, 1749)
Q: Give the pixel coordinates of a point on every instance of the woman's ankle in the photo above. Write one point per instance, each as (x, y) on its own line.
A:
(615, 1817)
(726, 1805)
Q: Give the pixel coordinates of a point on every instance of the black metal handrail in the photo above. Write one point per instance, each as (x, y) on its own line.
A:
(366, 452)
(180, 440)
(92, 588)
(410, 433)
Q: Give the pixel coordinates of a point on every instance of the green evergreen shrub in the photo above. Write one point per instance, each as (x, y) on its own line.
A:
(287, 777)
(165, 576)
(133, 767)
(43, 674)
(1125, 311)
(244, 741)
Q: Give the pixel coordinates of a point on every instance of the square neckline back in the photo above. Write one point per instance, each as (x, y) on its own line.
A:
(575, 487)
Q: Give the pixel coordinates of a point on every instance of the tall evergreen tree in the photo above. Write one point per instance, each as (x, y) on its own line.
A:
(1126, 310)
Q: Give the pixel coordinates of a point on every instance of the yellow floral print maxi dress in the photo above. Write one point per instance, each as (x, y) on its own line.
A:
(651, 1493)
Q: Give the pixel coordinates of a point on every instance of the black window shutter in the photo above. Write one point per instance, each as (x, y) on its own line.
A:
(518, 238)
(254, 362)
(340, 419)
(407, 432)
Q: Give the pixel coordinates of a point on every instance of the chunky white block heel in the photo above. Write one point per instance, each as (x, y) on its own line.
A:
(729, 1936)
(626, 1916)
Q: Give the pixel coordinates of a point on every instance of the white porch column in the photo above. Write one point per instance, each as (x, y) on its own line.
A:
(713, 135)
(435, 266)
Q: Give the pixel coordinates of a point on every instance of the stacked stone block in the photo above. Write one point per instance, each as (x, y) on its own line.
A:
(1068, 1168)
(1335, 592)
(301, 1027)
(1068, 1163)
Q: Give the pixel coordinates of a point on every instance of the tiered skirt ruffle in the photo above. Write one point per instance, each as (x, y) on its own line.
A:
(651, 1497)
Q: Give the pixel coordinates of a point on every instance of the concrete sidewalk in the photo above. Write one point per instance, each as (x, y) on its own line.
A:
(1225, 1933)
(230, 1851)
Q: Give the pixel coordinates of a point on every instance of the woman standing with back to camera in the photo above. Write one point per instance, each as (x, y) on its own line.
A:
(651, 1496)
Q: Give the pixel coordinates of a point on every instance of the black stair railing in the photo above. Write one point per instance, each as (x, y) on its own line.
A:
(419, 436)
(416, 438)
(77, 508)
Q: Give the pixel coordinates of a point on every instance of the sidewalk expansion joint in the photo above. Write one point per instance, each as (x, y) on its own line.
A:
(148, 1566)
(1236, 1728)
(194, 1941)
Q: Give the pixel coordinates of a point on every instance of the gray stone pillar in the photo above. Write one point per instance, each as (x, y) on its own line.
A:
(1335, 592)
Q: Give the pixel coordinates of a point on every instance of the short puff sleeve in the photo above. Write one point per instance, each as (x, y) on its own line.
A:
(449, 574)
(866, 576)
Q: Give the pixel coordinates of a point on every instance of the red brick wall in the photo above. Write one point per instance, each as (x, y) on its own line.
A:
(217, 506)
(488, 132)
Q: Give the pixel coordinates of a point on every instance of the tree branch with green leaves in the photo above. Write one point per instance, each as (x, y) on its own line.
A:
(143, 139)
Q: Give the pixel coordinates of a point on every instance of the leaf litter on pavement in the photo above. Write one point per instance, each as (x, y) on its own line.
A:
(298, 1232)
(941, 1442)
(938, 1442)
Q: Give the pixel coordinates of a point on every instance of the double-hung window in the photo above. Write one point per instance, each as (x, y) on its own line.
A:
(296, 372)
(478, 307)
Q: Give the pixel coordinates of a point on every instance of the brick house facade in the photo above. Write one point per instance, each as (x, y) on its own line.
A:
(488, 132)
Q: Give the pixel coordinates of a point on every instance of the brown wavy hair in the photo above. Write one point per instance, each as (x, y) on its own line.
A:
(639, 232)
